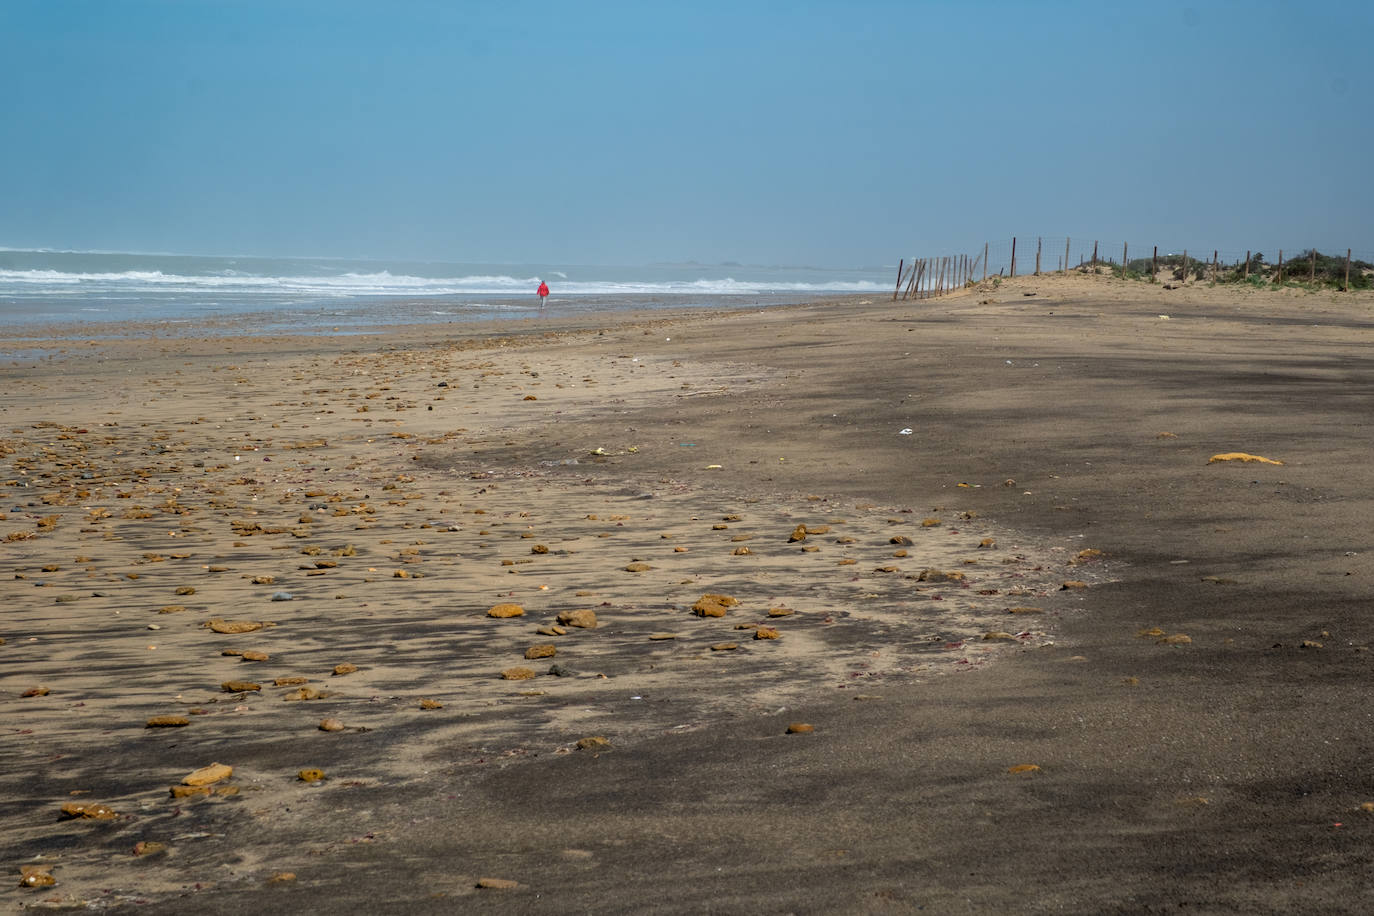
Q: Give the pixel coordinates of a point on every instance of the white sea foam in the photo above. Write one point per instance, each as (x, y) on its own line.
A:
(385, 283)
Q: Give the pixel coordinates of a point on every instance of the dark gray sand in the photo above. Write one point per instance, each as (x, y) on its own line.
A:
(1186, 726)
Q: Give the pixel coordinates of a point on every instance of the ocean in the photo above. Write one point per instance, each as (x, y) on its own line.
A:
(88, 293)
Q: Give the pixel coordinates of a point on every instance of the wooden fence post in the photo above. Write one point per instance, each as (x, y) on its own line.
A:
(1280, 279)
(1123, 260)
(1185, 265)
(1154, 265)
(1346, 288)
(1247, 263)
(1312, 274)
(1038, 242)
(1066, 257)
(1214, 265)
(899, 279)
(1094, 257)
(985, 262)
(1013, 255)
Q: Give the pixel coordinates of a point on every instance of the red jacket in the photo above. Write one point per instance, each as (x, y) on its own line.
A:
(543, 289)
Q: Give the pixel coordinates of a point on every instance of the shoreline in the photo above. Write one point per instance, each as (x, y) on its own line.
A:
(425, 474)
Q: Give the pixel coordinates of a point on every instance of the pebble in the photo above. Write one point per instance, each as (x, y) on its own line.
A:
(800, 728)
(331, 725)
(593, 743)
(585, 619)
(497, 884)
(506, 610)
(208, 775)
(167, 722)
(518, 674)
(541, 651)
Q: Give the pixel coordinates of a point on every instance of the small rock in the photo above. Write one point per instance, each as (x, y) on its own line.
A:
(88, 812)
(431, 704)
(518, 674)
(219, 625)
(1073, 583)
(283, 596)
(541, 651)
(551, 630)
(780, 612)
(311, 774)
(506, 610)
(208, 775)
(36, 876)
(592, 743)
(331, 725)
(1178, 639)
(497, 884)
(724, 646)
(638, 567)
(253, 655)
(167, 722)
(766, 633)
(800, 728)
(345, 668)
(798, 534)
(998, 635)
(1023, 768)
(149, 847)
(586, 619)
(239, 686)
(35, 692)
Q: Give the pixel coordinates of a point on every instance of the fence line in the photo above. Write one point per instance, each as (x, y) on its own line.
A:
(924, 278)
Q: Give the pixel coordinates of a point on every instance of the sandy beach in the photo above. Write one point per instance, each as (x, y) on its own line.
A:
(856, 606)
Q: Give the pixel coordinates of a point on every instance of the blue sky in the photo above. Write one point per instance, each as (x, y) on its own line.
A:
(830, 134)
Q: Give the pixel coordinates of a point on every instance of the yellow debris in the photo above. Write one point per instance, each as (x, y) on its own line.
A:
(1241, 456)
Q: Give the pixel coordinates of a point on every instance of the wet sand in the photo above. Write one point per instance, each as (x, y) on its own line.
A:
(896, 495)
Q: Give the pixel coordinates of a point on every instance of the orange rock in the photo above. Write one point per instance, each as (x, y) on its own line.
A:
(541, 651)
(593, 743)
(208, 775)
(310, 774)
(586, 619)
(798, 534)
(167, 722)
(220, 625)
(345, 668)
(239, 686)
(766, 633)
(518, 674)
(88, 812)
(800, 728)
(431, 704)
(506, 610)
(1023, 768)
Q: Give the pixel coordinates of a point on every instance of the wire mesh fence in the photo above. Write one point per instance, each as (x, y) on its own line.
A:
(921, 278)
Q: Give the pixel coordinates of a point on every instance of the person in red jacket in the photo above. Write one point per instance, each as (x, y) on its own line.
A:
(543, 292)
